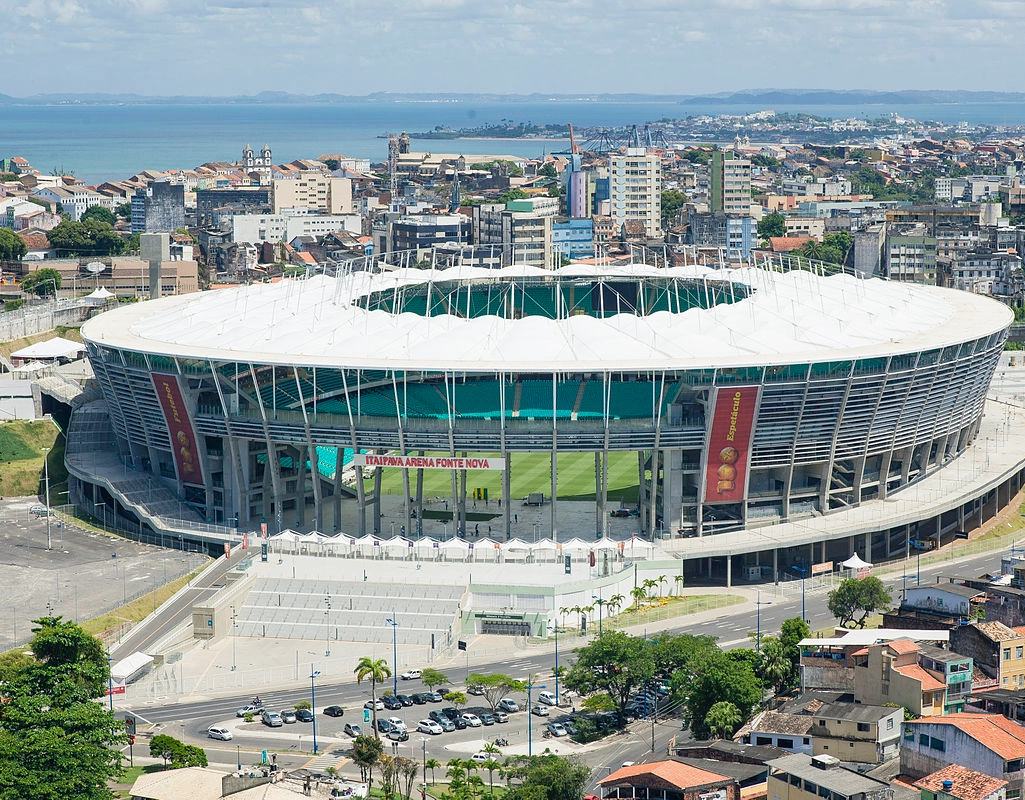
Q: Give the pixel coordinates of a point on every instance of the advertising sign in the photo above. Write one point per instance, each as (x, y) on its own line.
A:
(825, 566)
(427, 462)
(179, 426)
(729, 443)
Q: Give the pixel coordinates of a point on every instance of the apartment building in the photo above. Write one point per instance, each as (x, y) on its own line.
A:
(855, 732)
(74, 200)
(734, 233)
(814, 227)
(158, 207)
(524, 236)
(313, 191)
(928, 681)
(635, 189)
(804, 777)
(730, 189)
(911, 254)
(285, 227)
(422, 233)
(995, 648)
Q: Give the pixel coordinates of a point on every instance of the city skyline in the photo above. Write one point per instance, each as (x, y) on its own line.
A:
(155, 47)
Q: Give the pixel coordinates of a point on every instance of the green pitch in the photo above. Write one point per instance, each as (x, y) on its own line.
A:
(531, 472)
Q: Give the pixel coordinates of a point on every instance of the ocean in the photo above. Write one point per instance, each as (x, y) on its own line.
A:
(112, 142)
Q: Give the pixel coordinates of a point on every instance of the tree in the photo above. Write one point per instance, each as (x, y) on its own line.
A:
(432, 677)
(682, 658)
(854, 596)
(548, 169)
(791, 633)
(455, 698)
(549, 777)
(431, 764)
(89, 238)
(13, 662)
(722, 720)
(43, 282)
(513, 194)
(775, 668)
(55, 741)
(176, 754)
(495, 687)
(774, 224)
(491, 765)
(377, 671)
(721, 679)
(408, 768)
(123, 210)
(639, 594)
(616, 663)
(672, 201)
(12, 246)
(100, 214)
(366, 750)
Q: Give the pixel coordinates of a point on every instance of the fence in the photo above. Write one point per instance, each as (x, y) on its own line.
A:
(38, 319)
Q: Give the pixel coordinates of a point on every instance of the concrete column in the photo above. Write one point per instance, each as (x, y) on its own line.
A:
(729, 571)
(506, 510)
(420, 499)
(555, 490)
(775, 565)
(378, 475)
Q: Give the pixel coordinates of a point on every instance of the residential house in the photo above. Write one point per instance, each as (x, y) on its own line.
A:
(955, 782)
(996, 649)
(988, 743)
(855, 732)
(926, 680)
(804, 777)
(940, 605)
(668, 780)
(786, 731)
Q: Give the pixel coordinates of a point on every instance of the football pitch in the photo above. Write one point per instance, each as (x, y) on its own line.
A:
(531, 472)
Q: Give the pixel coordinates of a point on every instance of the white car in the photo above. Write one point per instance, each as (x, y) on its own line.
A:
(219, 733)
(472, 720)
(541, 711)
(397, 722)
(410, 674)
(370, 705)
(480, 757)
(429, 726)
(508, 704)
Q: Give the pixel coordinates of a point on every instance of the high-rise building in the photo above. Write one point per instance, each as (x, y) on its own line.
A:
(158, 207)
(313, 191)
(525, 237)
(731, 183)
(635, 189)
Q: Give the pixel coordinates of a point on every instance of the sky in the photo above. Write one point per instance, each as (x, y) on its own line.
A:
(237, 47)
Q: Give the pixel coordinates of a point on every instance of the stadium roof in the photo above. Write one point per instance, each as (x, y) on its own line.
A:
(791, 317)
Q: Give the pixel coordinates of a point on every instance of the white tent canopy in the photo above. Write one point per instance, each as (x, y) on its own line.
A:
(855, 562)
(50, 350)
(516, 544)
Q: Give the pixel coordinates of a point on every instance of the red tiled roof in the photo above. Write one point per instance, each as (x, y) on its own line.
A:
(903, 646)
(929, 683)
(968, 784)
(993, 731)
(784, 244)
(306, 258)
(675, 773)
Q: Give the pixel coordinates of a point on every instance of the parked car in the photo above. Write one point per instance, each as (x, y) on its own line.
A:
(501, 716)
(541, 711)
(334, 711)
(397, 723)
(304, 715)
(619, 512)
(429, 726)
(487, 719)
(410, 674)
(548, 698)
(447, 725)
(404, 699)
(475, 689)
(398, 735)
(472, 720)
(271, 718)
(352, 729)
(251, 708)
(288, 716)
(435, 697)
(419, 698)
(480, 758)
(383, 726)
(370, 704)
(508, 704)
(557, 729)
(391, 703)
(437, 715)
(219, 733)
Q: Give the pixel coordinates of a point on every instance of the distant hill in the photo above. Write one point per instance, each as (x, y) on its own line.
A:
(792, 97)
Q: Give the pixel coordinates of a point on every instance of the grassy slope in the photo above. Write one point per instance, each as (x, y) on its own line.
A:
(71, 334)
(21, 459)
(531, 472)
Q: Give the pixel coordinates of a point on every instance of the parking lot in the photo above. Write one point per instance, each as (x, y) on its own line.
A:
(82, 575)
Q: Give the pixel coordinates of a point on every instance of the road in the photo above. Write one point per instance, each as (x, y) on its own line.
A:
(732, 627)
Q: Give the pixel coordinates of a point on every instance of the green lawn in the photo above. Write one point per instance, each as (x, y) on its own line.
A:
(531, 472)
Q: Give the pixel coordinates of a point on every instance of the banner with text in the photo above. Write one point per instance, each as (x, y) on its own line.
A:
(729, 444)
(183, 438)
(427, 462)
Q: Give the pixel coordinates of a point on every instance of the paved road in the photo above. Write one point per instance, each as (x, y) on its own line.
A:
(731, 627)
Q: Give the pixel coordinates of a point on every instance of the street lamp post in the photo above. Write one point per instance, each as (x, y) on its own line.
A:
(46, 472)
(234, 616)
(530, 714)
(313, 704)
(803, 572)
(597, 599)
(394, 654)
(327, 626)
(556, 631)
(918, 554)
(110, 681)
(758, 635)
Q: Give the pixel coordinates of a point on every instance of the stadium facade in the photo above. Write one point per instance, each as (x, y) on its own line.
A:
(750, 396)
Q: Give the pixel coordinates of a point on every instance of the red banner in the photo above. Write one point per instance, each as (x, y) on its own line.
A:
(729, 444)
(179, 426)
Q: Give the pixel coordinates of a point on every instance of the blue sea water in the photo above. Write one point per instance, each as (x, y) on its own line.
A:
(111, 142)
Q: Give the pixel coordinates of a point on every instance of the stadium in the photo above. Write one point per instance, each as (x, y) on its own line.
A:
(737, 398)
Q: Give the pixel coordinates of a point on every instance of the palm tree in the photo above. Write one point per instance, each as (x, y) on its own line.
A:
(679, 581)
(775, 666)
(564, 611)
(491, 765)
(578, 611)
(722, 719)
(661, 579)
(649, 584)
(638, 593)
(377, 671)
(432, 764)
(616, 601)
